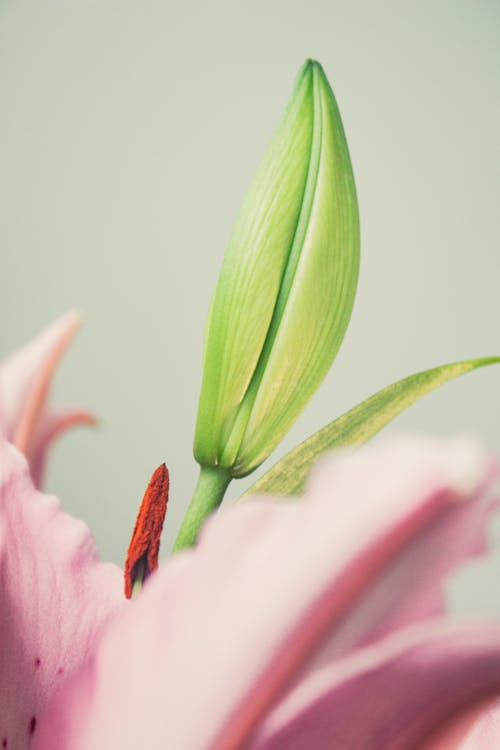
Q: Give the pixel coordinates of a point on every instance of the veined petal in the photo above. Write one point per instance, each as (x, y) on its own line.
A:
(55, 597)
(391, 695)
(25, 379)
(222, 632)
(409, 586)
(475, 729)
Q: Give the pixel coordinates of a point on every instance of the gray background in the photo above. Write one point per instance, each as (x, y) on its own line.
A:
(128, 134)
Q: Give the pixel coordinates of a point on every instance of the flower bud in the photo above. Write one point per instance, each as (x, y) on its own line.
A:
(287, 285)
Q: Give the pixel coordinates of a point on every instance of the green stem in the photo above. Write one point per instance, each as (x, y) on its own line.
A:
(208, 494)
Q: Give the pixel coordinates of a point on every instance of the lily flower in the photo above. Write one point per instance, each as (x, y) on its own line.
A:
(313, 623)
(25, 417)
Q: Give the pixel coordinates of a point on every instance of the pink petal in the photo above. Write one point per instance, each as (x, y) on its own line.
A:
(221, 633)
(55, 597)
(25, 379)
(390, 695)
(49, 428)
(417, 573)
(476, 729)
(485, 734)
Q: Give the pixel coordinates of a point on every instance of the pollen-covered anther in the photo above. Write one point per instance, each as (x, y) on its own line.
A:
(142, 555)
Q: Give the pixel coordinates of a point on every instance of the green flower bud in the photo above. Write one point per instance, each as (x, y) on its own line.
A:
(287, 285)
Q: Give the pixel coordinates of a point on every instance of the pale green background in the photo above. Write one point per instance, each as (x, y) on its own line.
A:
(128, 134)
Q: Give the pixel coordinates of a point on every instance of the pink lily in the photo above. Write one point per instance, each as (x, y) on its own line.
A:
(231, 632)
(25, 377)
(317, 623)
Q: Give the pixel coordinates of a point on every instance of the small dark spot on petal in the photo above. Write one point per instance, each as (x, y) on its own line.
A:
(4, 742)
(38, 662)
(60, 671)
(32, 725)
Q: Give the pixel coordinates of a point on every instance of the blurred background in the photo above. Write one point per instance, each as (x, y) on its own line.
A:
(128, 135)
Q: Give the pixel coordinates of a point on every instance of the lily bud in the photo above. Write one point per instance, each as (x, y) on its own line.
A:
(287, 285)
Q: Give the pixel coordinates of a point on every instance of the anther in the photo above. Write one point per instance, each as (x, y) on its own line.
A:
(142, 555)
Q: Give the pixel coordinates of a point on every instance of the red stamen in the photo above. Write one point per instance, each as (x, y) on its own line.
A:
(142, 555)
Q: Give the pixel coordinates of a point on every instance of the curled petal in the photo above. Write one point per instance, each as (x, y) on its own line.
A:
(25, 380)
(50, 427)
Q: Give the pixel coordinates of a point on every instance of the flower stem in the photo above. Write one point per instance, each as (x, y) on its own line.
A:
(208, 494)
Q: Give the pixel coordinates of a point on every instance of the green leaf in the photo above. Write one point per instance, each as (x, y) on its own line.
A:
(286, 288)
(358, 425)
